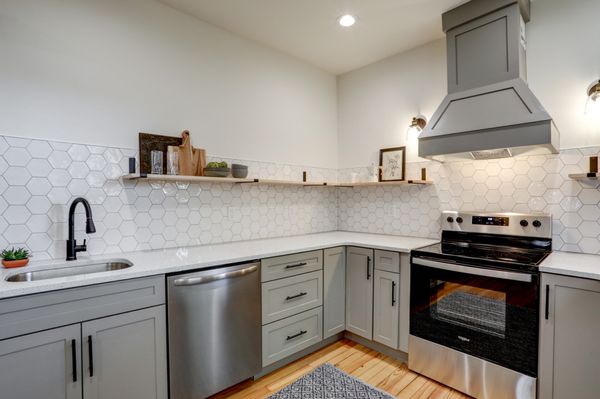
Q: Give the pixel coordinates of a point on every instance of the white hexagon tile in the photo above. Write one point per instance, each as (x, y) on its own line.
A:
(523, 184)
(40, 178)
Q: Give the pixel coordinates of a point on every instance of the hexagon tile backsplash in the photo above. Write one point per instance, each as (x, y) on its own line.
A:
(40, 178)
(538, 183)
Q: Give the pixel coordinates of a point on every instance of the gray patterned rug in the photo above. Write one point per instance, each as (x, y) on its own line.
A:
(328, 382)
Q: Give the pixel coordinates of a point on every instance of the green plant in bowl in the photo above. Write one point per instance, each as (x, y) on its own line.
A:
(216, 165)
(15, 257)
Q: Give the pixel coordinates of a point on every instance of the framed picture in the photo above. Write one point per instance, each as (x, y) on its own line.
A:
(392, 162)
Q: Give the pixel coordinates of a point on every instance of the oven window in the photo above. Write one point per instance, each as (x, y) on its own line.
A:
(468, 306)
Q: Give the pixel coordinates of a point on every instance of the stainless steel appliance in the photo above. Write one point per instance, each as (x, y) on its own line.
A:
(474, 303)
(214, 329)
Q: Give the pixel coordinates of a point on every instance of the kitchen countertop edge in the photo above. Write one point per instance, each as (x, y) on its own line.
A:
(173, 260)
(572, 264)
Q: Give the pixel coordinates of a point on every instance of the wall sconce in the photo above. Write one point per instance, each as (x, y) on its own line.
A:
(592, 104)
(416, 126)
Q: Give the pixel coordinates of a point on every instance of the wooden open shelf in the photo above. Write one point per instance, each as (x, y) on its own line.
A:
(584, 176)
(233, 180)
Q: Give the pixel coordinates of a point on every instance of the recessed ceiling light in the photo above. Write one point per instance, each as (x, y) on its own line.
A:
(347, 20)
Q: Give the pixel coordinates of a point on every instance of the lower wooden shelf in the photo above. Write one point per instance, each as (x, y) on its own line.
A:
(233, 180)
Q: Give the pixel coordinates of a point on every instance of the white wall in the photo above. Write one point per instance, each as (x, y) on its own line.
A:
(100, 71)
(377, 102)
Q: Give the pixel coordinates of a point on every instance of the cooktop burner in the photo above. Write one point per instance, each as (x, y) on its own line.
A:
(488, 252)
(504, 240)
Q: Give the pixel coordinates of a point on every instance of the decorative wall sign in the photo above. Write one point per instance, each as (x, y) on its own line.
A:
(392, 163)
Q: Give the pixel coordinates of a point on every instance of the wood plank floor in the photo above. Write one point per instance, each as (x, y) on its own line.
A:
(369, 366)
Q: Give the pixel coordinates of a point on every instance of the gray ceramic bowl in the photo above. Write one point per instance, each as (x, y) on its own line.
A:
(239, 171)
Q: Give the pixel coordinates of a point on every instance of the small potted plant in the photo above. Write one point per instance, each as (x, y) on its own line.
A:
(217, 169)
(15, 257)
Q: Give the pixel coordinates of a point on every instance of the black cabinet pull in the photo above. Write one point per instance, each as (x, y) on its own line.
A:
(287, 298)
(74, 359)
(91, 355)
(547, 301)
(393, 293)
(296, 265)
(368, 267)
(289, 337)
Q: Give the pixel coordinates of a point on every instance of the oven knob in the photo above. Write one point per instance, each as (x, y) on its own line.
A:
(524, 223)
(459, 220)
(450, 219)
(537, 223)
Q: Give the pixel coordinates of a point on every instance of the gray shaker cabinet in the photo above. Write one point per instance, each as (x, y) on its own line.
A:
(386, 308)
(42, 365)
(46, 341)
(334, 289)
(359, 291)
(569, 338)
(125, 356)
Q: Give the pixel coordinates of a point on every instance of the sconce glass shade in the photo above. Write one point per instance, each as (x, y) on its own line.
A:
(416, 126)
(592, 105)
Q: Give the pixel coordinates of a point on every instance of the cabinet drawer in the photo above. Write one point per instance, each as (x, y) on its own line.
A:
(387, 261)
(288, 336)
(291, 265)
(289, 296)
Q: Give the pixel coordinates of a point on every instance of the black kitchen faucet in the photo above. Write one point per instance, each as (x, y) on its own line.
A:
(72, 247)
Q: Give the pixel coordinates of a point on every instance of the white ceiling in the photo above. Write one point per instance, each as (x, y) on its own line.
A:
(308, 29)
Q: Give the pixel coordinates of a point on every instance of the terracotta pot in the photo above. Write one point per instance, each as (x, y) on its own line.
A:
(15, 263)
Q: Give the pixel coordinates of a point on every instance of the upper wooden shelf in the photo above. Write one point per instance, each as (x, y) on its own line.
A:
(233, 180)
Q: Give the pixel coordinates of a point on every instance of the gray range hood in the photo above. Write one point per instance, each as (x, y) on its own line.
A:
(489, 111)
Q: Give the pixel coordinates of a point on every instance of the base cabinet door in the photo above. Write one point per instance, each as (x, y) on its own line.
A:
(334, 289)
(124, 356)
(569, 338)
(359, 291)
(42, 365)
(386, 308)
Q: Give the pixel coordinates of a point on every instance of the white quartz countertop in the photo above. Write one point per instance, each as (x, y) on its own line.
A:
(572, 264)
(147, 263)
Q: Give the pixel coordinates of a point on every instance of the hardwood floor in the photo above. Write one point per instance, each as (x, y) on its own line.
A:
(369, 366)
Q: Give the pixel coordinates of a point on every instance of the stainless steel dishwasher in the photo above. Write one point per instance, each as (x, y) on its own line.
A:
(214, 329)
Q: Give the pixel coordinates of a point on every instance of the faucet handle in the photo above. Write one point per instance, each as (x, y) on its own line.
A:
(80, 248)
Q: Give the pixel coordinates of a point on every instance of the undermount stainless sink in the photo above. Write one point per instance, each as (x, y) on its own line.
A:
(66, 271)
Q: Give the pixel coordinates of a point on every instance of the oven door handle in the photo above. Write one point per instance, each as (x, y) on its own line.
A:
(455, 267)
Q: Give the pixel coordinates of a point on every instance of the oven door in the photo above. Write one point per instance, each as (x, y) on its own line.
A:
(487, 313)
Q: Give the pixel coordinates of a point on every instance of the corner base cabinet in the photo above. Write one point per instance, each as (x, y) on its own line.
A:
(334, 291)
(569, 338)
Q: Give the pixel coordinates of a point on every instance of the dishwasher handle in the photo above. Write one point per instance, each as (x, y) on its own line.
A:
(214, 277)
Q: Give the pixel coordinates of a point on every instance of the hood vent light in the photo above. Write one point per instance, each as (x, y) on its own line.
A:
(491, 154)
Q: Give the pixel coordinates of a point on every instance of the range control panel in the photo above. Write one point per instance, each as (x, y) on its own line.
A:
(490, 220)
(509, 223)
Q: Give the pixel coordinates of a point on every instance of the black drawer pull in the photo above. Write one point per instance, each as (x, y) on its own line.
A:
(74, 359)
(393, 293)
(91, 355)
(296, 265)
(368, 267)
(290, 337)
(547, 301)
(288, 298)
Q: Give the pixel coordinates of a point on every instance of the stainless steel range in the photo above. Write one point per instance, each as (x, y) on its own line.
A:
(474, 303)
